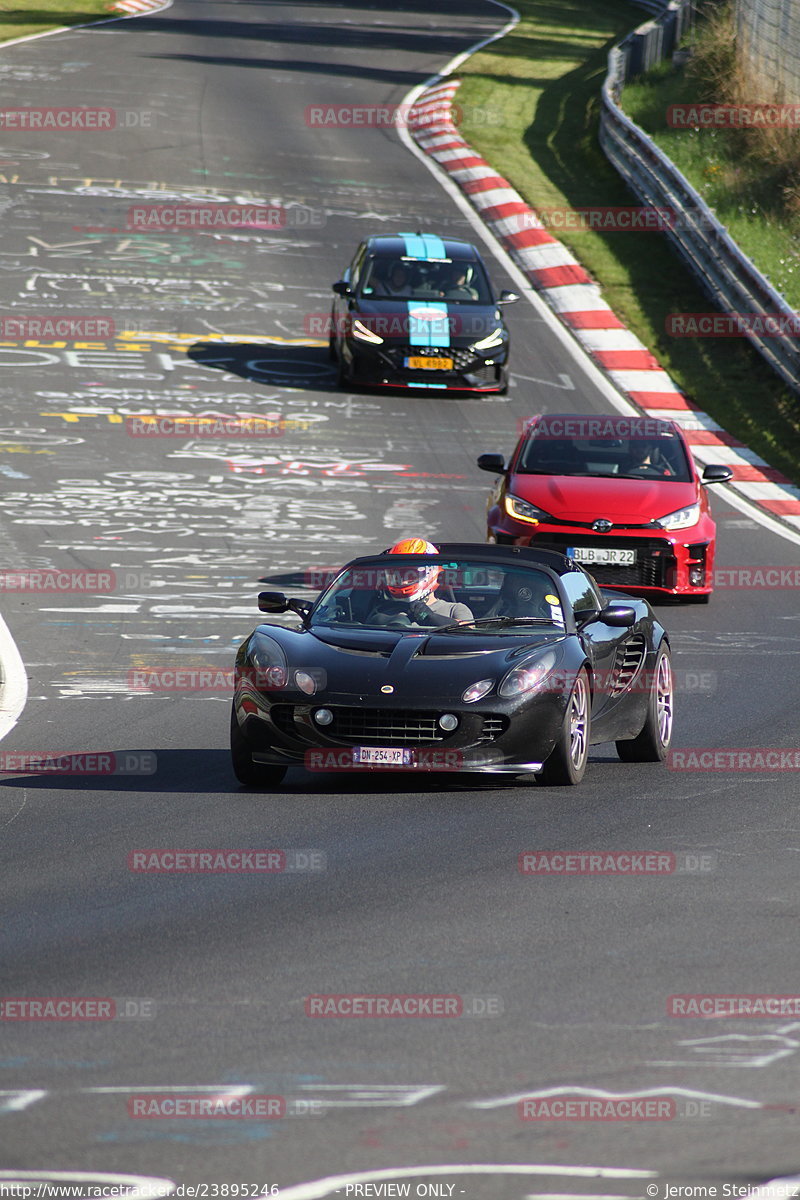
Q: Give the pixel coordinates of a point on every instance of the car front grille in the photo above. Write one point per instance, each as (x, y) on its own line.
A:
(493, 727)
(655, 564)
(383, 726)
(386, 727)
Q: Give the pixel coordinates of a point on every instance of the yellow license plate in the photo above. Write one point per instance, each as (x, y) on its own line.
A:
(429, 364)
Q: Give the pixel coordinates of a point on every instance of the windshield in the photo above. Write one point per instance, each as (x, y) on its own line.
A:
(458, 596)
(660, 457)
(455, 281)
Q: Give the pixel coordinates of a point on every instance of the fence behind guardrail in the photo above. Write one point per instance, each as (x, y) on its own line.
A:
(768, 45)
(725, 273)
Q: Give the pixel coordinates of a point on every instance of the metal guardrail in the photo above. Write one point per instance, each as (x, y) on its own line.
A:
(726, 274)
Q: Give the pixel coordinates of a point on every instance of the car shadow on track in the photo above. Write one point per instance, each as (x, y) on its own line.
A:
(202, 771)
(289, 365)
(284, 365)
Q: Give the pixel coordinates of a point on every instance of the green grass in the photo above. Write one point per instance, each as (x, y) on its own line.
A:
(531, 104)
(745, 192)
(21, 19)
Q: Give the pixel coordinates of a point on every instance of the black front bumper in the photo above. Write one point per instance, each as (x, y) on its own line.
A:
(374, 366)
(514, 741)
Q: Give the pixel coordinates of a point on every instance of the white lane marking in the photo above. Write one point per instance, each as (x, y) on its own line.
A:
(382, 1095)
(319, 1188)
(571, 347)
(735, 1050)
(219, 1089)
(599, 1093)
(138, 1187)
(565, 381)
(17, 1101)
(14, 685)
(78, 608)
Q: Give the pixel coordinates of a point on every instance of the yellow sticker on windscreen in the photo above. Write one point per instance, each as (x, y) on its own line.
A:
(552, 599)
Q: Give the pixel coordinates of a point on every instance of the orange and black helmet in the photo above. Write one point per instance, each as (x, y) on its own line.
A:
(412, 583)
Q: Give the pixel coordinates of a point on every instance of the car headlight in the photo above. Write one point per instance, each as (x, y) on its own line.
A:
(682, 519)
(528, 676)
(306, 682)
(495, 338)
(523, 511)
(476, 690)
(268, 661)
(363, 334)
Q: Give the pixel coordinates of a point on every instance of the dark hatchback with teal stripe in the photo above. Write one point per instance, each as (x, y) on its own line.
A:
(414, 310)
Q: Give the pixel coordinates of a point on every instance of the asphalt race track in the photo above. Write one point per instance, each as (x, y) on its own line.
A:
(418, 890)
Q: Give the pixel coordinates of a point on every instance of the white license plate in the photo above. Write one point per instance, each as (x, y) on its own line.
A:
(610, 555)
(381, 756)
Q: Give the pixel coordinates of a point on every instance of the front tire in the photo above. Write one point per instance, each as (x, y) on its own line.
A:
(344, 378)
(566, 765)
(251, 774)
(652, 743)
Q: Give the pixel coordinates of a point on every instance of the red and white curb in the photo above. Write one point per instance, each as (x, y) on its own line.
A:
(578, 302)
(136, 7)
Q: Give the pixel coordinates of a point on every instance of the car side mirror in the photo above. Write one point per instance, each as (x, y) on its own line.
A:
(507, 297)
(618, 616)
(272, 602)
(492, 462)
(716, 473)
(342, 288)
(276, 602)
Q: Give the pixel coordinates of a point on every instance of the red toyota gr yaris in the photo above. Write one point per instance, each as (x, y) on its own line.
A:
(620, 495)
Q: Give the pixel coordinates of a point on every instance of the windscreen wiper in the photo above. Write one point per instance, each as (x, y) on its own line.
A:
(481, 622)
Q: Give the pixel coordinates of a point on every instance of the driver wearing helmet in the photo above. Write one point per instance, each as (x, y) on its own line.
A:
(410, 591)
(649, 457)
